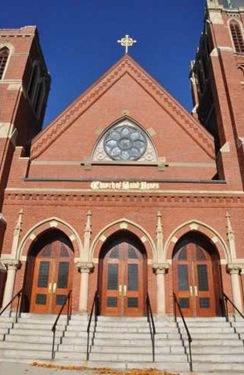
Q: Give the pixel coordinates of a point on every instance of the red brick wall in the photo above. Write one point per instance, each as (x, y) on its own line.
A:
(178, 202)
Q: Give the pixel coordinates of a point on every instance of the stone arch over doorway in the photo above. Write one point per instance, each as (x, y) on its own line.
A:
(197, 226)
(50, 223)
(196, 275)
(122, 275)
(123, 224)
(48, 272)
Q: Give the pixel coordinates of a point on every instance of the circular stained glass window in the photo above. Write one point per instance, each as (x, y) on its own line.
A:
(125, 143)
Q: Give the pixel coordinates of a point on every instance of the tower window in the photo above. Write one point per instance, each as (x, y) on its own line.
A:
(33, 81)
(40, 97)
(4, 52)
(237, 37)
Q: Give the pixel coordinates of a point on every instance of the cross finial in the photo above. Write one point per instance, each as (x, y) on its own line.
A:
(126, 42)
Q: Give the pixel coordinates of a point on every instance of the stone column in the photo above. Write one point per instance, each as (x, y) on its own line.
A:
(161, 270)
(12, 265)
(84, 269)
(235, 270)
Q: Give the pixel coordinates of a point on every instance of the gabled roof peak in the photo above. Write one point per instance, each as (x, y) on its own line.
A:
(126, 65)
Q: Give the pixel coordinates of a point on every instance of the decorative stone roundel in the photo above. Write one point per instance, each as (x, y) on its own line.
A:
(125, 143)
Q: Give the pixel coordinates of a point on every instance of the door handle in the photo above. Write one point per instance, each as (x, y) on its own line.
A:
(50, 287)
(54, 287)
(120, 289)
(191, 290)
(195, 291)
(125, 290)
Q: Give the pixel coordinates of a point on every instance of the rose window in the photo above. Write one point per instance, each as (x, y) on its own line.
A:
(125, 143)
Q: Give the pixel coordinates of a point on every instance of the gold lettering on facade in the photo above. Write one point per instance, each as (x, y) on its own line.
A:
(124, 185)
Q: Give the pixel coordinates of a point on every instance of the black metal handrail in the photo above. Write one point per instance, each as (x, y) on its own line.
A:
(226, 299)
(176, 304)
(17, 312)
(151, 323)
(94, 311)
(69, 312)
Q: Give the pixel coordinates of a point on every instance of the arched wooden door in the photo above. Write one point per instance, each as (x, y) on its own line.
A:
(196, 279)
(123, 284)
(52, 277)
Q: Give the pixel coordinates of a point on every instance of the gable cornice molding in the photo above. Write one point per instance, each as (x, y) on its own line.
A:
(125, 65)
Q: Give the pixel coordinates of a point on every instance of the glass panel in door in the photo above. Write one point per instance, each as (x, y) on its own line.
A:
(122, 290)
(193, 280)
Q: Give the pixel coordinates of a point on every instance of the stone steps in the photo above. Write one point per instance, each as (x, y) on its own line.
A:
(215, 343)
(13, 337)
(30, 355)
(133, 346)
(26, 345)
(125, 343)
(30, 338)
(217, 368)
(218, 350)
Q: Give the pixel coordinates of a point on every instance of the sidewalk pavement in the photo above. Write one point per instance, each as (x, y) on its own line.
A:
(13, 368)
(9, 368)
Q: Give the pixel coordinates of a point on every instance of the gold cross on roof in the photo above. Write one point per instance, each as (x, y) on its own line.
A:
(126, 42)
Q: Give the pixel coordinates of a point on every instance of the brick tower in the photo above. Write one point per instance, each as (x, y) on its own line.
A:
(217, 77)
(24, 87)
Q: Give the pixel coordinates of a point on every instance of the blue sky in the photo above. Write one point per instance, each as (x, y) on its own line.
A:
(78, 39)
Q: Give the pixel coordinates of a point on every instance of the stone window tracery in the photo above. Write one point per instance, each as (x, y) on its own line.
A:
(126, 142)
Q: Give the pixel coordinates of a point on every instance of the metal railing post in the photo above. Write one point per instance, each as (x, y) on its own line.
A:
(177, 305)
(151, 323)
(67, 299)
(17, 313)
(94, 311)
(228, 300)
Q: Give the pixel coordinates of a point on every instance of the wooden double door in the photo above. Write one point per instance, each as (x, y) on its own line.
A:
(196, 280)
(123, 282)
(52, 277)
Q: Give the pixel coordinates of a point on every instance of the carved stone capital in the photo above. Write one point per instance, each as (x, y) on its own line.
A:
(160, 268)
(85, 267)
(235, 268)
(11, 264)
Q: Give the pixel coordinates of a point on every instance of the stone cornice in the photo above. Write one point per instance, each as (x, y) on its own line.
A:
(86, 196)
(163, 98)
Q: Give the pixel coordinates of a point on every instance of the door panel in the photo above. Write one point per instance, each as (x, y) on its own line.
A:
(53, 268)
(193, 270)
(122, 281)
(42, 298)
(184, 287)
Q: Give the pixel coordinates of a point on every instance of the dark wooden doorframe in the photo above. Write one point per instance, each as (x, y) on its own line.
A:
(196, 277)
(122, 281)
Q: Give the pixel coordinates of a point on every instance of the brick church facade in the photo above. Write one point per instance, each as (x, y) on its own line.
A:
(125, 192)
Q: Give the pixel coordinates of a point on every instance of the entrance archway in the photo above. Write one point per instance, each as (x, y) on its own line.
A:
(122, 276)
(196, 276)
(49, 273)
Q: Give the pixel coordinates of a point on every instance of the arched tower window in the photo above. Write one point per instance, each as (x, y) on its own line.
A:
(33, 81)
(40, 96)
(4, 53)
(237, 36)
